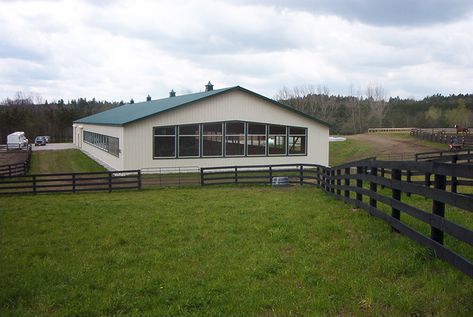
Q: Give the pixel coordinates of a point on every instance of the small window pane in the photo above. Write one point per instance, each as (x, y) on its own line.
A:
(235, 128)
(235, 145)
(190, 129)
(277, 144)
(297, 145)
(212, 145)
(256, 145)
(277, 129)
(188, 146)
(164, 130)
(164, 146)
(294, 130)
(212, 129)
(256, 128)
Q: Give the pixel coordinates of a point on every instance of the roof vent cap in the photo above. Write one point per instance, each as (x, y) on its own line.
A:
(209, 87)
(172, 93)
(148, 98)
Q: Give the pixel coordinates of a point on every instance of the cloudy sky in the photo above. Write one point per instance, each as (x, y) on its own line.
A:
(117, 50)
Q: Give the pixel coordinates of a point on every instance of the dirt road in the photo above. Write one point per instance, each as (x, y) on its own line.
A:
(386, 145)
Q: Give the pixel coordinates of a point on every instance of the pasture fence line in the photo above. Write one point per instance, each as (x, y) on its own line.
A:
(16, 169)
(389, 130)
(445, 136)
(71, 182)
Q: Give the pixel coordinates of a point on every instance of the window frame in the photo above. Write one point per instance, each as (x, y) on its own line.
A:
(203, 135)
(102, 142)
(236, 135)
(165, 135)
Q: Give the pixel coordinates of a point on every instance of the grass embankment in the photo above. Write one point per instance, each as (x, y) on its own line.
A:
(62, 161)
(215, 251)
(349, 150)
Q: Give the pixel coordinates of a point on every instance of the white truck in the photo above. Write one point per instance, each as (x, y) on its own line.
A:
(17, 140)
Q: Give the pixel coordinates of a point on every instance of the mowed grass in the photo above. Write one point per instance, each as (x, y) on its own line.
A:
(349, 150)
(247, 251)
(62, 161)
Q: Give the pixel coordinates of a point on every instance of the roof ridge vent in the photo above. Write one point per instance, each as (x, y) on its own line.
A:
(209, 87)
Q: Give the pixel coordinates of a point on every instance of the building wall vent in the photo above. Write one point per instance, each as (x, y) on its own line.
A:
(209, 87)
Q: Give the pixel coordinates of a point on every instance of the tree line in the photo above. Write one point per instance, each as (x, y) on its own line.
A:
(354, 113)
(373, 109)
(23, 113)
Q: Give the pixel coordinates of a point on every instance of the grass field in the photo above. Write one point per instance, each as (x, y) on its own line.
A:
(62, 161)
(349, 150)
(215, 251)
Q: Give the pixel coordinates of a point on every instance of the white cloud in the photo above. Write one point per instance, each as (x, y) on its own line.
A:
(127, 49)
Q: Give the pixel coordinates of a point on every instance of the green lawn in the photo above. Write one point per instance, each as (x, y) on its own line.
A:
(247, 251)
(349, 150)
(62, 161)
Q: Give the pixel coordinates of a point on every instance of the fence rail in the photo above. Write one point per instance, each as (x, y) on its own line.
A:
(71, 182)
(261, 174)
(16, 169)
(444, 136)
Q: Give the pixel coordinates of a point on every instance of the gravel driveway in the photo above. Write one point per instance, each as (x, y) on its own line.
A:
(54, 146)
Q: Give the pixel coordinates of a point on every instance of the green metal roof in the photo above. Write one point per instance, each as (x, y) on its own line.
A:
(128, 113)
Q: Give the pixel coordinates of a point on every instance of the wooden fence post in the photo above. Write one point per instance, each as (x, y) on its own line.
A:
(236, 174)
(427, 180)
(202, 177)
(139, 179)
(339, 181)
(408, 178)
(347, 182)
(34, 184)
(109, 182)
(332, 181)
(438, 208)
(73, 183)
(270, 174)
(382, 175)
(454, 184)
(301, 175)
(396, 175)
(359, 184)
(373, 187)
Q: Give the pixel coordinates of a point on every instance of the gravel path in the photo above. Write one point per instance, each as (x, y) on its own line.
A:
(54, 146)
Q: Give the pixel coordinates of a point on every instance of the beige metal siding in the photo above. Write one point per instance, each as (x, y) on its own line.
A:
(116, 163)
(235, 105)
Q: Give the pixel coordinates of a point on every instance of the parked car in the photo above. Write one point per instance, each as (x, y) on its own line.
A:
(40, 140)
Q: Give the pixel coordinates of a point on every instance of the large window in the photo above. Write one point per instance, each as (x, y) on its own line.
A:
(256, 139)
(106, 143)
(165, 141)
(225, 139)
(212, 139)
(189, 140)
(276, 139)
(235, 139)
(297, 141)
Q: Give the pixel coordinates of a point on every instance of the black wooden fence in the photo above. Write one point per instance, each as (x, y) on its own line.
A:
(71, 182)
(368, 182)
(311, 174)
(445, 136)
(16, 169)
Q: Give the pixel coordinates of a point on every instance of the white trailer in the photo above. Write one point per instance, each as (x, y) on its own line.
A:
(17, 140)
